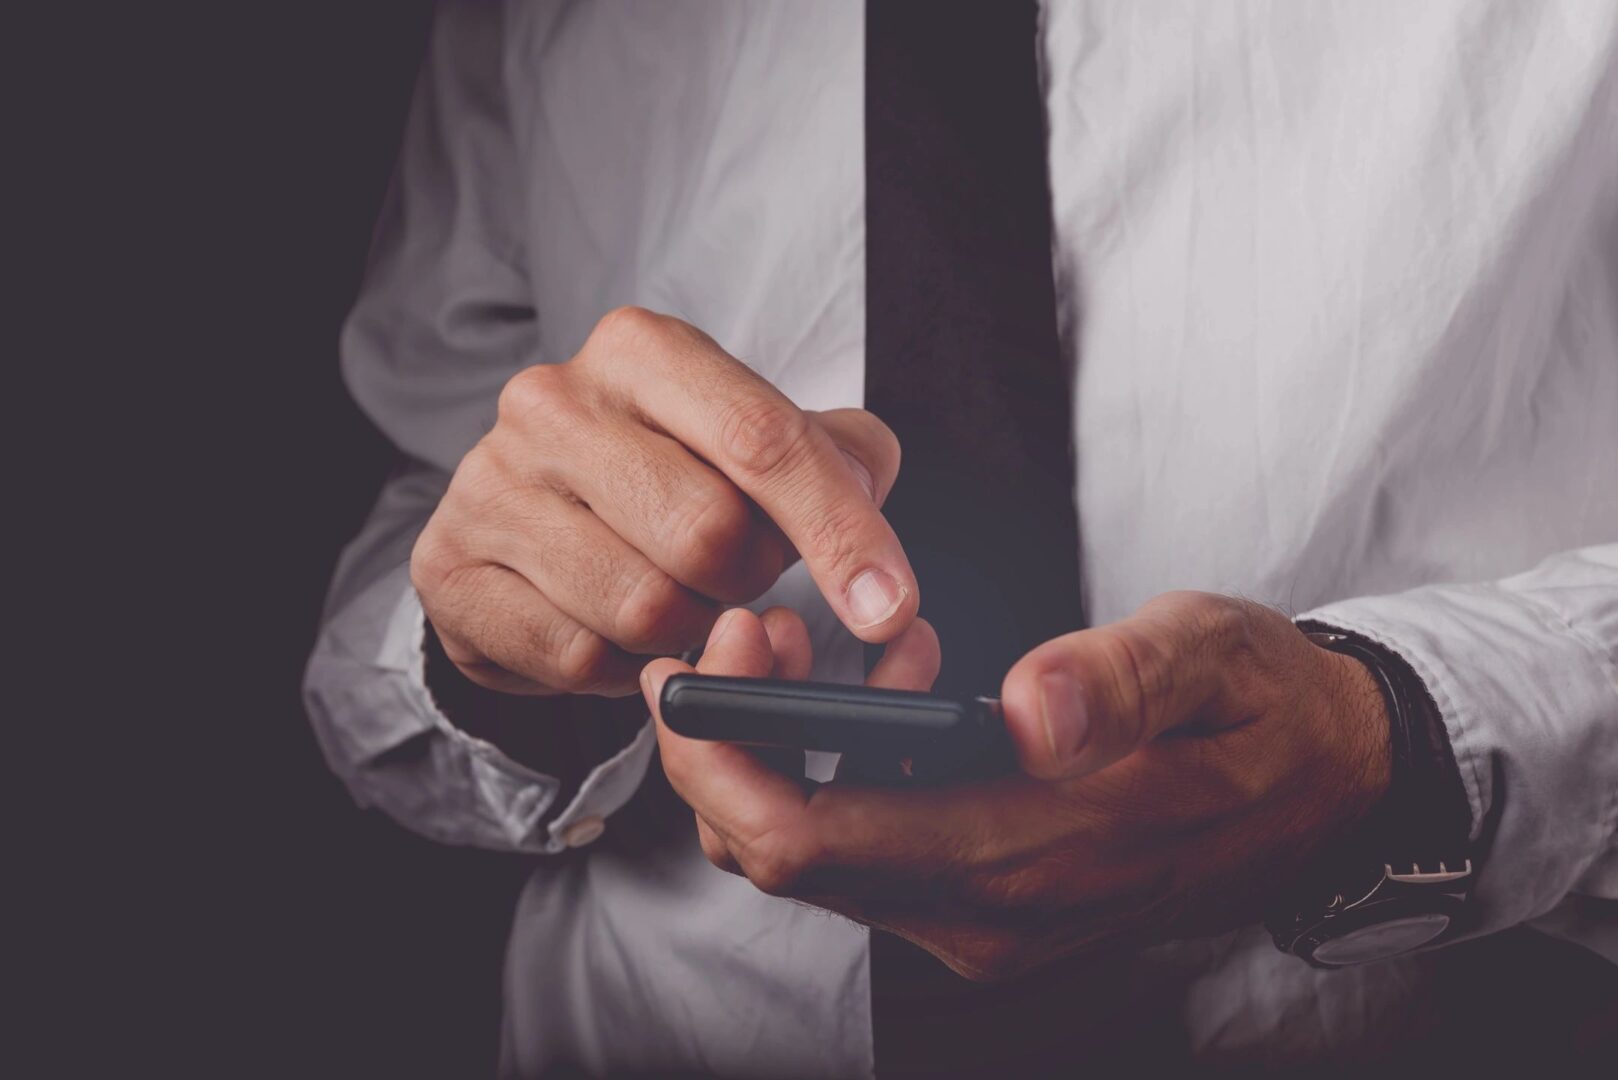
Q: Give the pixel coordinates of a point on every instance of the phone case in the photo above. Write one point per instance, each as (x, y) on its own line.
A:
(829, 717)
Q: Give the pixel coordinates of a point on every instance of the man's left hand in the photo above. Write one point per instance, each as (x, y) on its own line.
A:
(1177, 768)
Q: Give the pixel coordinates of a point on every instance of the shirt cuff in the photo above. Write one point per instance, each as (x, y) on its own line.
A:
(1527, 704)
(385, 736)
(608, 787)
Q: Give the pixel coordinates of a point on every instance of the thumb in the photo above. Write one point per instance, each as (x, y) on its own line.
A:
(1080, 702)
(868, 445)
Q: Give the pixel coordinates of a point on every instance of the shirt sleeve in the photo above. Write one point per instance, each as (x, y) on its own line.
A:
(384, 735)
(444, 318)
(1525, 673)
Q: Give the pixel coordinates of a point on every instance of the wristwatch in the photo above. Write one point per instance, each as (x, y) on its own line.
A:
(1402, 880)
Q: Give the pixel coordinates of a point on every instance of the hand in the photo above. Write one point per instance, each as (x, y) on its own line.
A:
(621, 498)
(774, 645)
(1177, 767)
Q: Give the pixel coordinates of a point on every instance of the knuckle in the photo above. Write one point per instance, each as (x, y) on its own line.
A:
(533, 391)
(1143, 674)
(1235, 626)
(881, 431)
(778, 868)
(627, 327)
(643, 619)
(434, 560)
(864, 436)
(833, 533)
(714, 532)
(488, 626)
(716, 852)
(1221, 622)
(761, 437)
(886, 442)
(583, 662)
(481, 477)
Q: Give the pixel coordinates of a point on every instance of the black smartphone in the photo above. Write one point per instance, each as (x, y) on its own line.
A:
(899, 725)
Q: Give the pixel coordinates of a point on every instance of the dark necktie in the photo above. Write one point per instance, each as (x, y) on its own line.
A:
(962, 357)
(964, 363)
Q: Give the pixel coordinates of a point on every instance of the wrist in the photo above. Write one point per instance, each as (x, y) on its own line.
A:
(1359, 726)
(1398, 879)
(1423, 810)
(562, 735)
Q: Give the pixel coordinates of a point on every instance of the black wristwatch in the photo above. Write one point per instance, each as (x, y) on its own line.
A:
(1401, 881)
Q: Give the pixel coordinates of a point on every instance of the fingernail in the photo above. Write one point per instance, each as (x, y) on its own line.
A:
(873, 598)
(861, 473)
(1061, 705)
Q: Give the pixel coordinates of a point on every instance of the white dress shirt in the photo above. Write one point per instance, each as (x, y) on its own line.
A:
(1340, 284)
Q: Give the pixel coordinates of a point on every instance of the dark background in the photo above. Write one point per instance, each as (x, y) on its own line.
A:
(195, 893)
(381, 951)
(201, 187)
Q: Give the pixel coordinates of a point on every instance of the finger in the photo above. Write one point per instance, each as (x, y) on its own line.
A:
(794, 657)
(566, 552)
(775, 453)
(1082, 701)
(910, 661)
(901, 845)
(494, 616)
(789, 640)
(479, 669)
(868, 446)
(738, 645)
(677, 510)
(740, 797)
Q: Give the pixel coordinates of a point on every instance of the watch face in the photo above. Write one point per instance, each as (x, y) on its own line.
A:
(1381, 940)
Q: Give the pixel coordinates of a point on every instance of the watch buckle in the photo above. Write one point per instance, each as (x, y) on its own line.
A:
(1418, 876)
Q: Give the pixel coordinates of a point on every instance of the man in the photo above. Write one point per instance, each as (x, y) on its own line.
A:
(1336, 292)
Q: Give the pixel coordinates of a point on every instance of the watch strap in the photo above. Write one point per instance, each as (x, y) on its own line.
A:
(1425, 818)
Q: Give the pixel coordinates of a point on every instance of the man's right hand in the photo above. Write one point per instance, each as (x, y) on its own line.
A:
(624, 497)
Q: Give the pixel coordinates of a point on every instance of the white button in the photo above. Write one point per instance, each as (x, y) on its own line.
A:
(586, 830)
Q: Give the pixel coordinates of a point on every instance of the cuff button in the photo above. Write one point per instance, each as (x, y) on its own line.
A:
(586, 830)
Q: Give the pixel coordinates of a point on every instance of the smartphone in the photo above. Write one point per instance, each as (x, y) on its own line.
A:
(945, 735)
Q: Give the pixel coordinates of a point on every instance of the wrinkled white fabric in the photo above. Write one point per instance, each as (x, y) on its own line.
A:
(1340, 282)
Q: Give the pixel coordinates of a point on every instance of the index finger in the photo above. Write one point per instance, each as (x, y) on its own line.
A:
(738, 795)
(682, 381)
